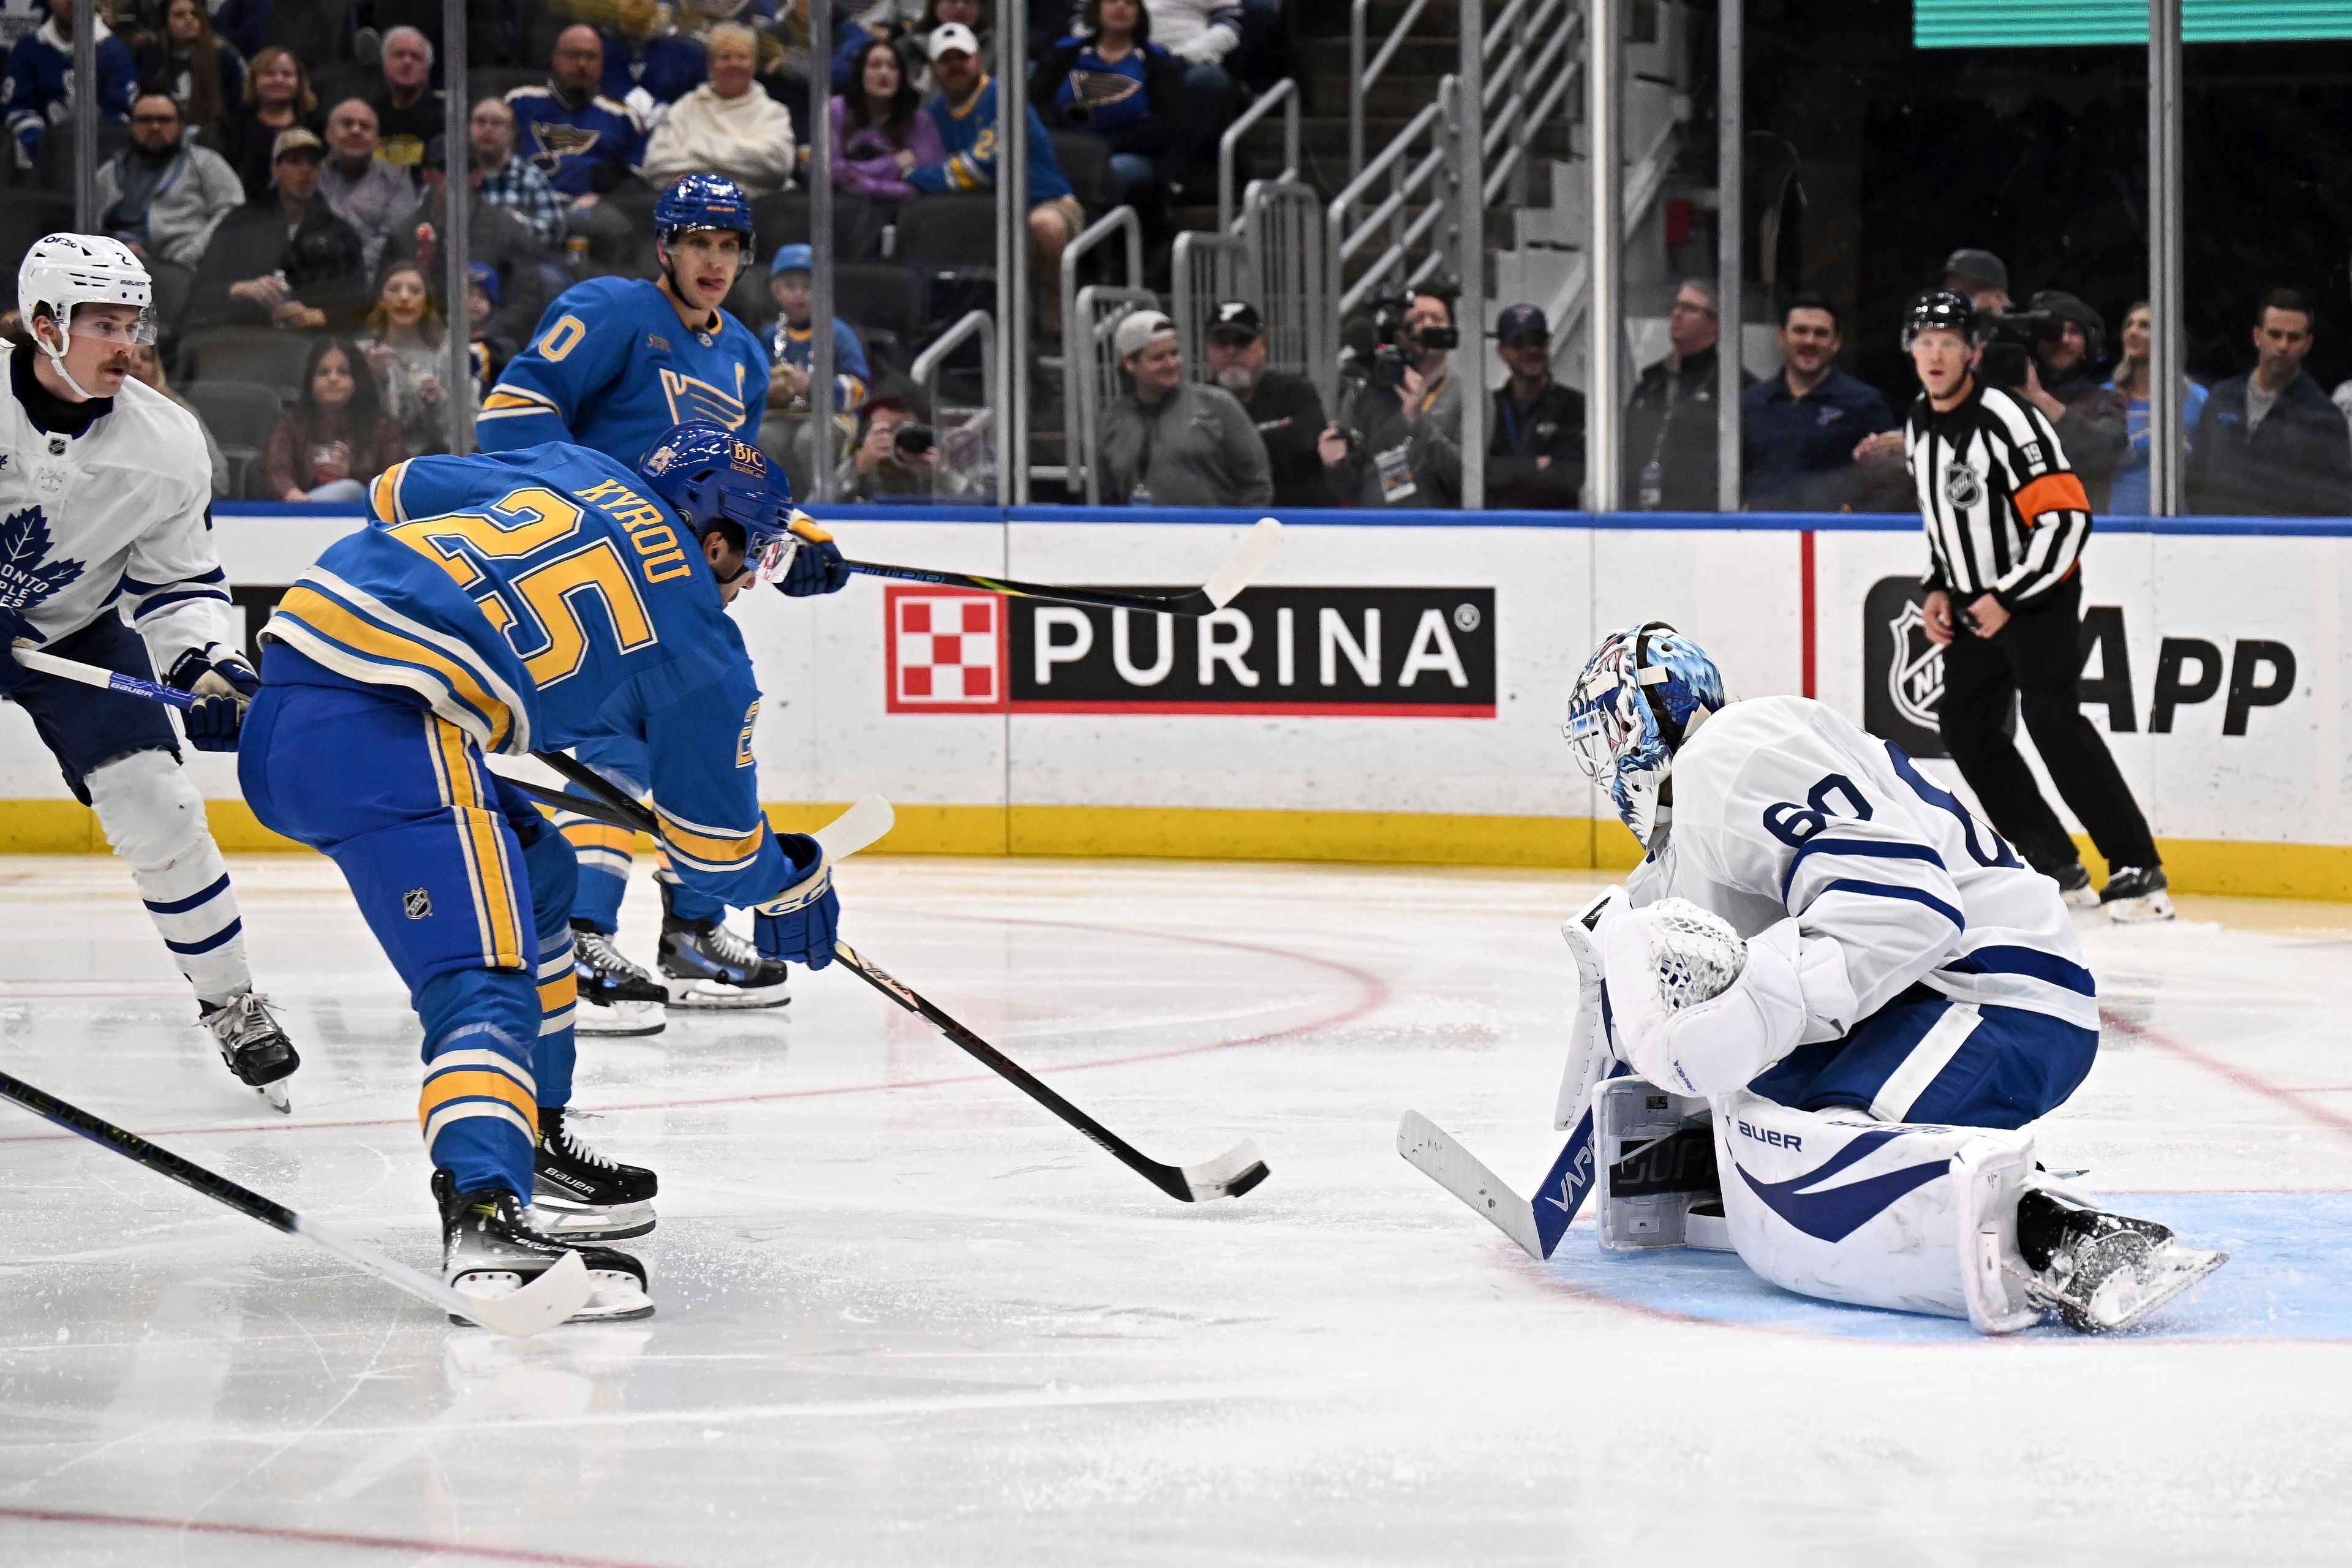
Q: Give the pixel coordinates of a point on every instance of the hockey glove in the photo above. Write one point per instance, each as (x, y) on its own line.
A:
(14, 628)
(797, 925)
(817, 566)
(224, 684)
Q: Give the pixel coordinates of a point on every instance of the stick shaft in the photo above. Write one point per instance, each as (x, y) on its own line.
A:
(111, 680)
(1191, 602)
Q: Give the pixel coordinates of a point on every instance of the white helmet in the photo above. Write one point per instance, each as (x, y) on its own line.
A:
(66, 270)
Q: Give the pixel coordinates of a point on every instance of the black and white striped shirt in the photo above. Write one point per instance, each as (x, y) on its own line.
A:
(2005, 513)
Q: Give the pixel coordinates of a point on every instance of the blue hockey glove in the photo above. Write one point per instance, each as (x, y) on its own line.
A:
(797, 926)
(817, 566)
(224, 684)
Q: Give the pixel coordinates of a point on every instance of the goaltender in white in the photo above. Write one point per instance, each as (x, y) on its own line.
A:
(107, 559)
(1867, 994)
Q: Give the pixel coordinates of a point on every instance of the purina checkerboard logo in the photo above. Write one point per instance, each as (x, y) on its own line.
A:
(1360, 653)
(946, 650)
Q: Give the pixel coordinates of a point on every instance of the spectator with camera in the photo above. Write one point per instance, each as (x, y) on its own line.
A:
(163, 195)
(1383, 448)
(1799, 431)
(2006, 519)
(1670, 422)
(1168, 442)
(1286, 409)
(2270, 443)
(2064, 381)
(897, 452)
(289, 262)
(1109, 79)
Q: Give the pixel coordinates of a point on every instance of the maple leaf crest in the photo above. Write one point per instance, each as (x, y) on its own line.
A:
(26, 578)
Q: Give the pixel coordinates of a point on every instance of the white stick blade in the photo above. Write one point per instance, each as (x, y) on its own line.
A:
(1229, 1175)
(548, 1300)
(856, 829)
(1254, 555)
(1434, 1151)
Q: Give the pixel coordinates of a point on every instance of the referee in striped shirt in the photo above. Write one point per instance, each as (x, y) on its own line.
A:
(2006, 520)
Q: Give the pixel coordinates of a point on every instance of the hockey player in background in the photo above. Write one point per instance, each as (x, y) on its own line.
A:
(1865, 990)
(615, 362)
(106, 510)
(497, 604)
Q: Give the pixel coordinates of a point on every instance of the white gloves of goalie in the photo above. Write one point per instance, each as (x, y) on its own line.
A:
(1696, 1009)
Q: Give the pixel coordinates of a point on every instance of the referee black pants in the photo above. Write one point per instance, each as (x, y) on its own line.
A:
(2037, 658)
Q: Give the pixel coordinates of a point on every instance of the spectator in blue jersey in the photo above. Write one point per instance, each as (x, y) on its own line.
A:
(1112, 81)
(40, 80)
(244, 23)
(965, 112)
(648, 64)
(2129, 498)
(587, 144)
(792, 352)
(1798, 430)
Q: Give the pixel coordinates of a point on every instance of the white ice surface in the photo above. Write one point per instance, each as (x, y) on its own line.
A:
(907, 1319)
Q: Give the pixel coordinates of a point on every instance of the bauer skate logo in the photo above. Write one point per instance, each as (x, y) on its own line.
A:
(416, 903)
(26, 578)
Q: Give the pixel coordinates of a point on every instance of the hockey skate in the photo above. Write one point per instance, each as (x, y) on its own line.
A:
(718, 968)
(255, 1049)
(2102, 1272)
(2136, 893)
(488, 1250)
(617, 996)
(2074, 884)
(580, 1193)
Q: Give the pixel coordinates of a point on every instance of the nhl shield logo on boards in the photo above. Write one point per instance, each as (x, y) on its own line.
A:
(1963, 486)
(1915, 676)
(416, 903)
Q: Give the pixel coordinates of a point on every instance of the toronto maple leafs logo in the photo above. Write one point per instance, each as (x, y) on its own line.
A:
(26, 577)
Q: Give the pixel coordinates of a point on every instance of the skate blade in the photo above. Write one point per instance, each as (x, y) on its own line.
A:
(2083, 898)
(2154, 907)
(2125, 1301)
(614, 1296)
(619, 1018)
(279, 1100)
(561, 1221)
(716, 996)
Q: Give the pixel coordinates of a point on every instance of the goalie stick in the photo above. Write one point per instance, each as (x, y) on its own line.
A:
(1241, 568)
(546, 1301)
(1229, 1175)
(1536, 1226)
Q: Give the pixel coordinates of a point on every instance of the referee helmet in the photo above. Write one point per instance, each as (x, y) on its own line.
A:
(1942, 309)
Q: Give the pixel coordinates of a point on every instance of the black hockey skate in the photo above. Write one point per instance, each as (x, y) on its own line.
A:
(2136, 893)
(719, 969)
(2074, 884)
(489, 1248)
(255, 1049)
(2102, 1272)
(579, 1193)
(616, 996)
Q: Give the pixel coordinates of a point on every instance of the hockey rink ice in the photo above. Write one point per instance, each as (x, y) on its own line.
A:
(906, 1318)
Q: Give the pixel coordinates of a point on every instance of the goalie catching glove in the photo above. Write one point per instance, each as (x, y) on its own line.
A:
(224, 684)
(1696, 1009)
(798, 925)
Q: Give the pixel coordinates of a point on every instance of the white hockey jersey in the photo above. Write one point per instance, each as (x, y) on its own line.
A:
(119, 513)
(1784, 811)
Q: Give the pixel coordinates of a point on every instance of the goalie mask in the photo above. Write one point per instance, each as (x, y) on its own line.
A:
(64, 272)
(1643, 692)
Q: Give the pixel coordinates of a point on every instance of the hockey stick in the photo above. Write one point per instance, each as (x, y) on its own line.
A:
(546, 1301)
(1239, 569)
(91, 675)
(1536, 1226)
(1228, 1176)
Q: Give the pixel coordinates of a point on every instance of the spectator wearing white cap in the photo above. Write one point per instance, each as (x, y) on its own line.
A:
(1168, 442)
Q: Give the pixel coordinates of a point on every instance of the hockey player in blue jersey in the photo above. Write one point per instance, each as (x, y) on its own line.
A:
(500, 603)
(615, 362)
(1830, 959)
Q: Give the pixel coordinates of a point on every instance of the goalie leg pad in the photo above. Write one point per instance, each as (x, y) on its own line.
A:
(153, 818)
(1914, 1218)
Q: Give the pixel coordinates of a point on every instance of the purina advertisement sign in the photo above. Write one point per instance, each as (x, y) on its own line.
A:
(1353, 652)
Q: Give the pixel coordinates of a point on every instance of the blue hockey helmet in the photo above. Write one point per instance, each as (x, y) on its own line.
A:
(708, 476)
(1642, 693)
(703, 201)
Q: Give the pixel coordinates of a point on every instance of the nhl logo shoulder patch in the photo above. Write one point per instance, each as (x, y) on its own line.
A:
(416, 903)
(1963, 486)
